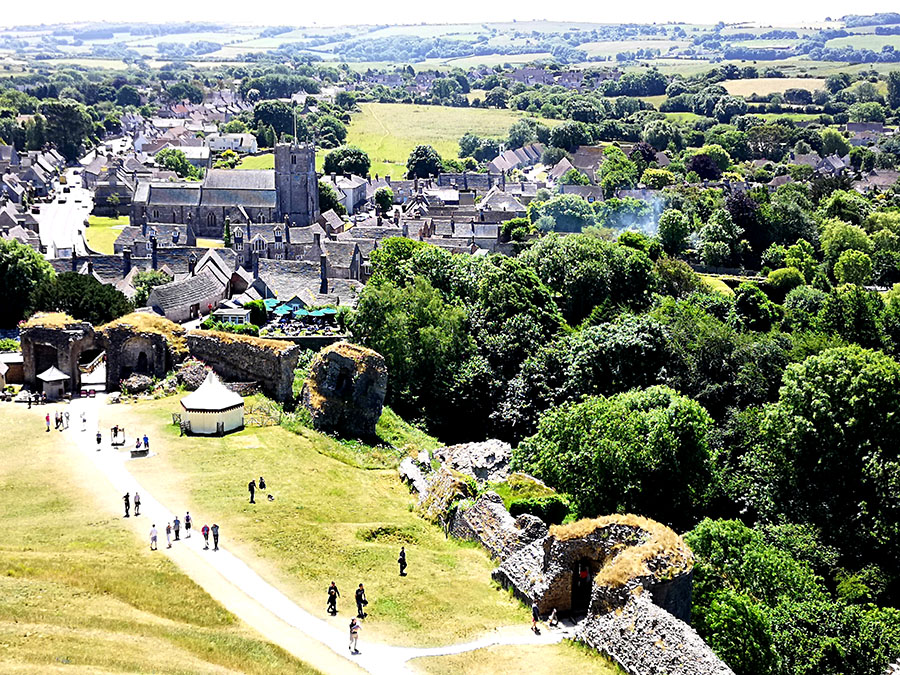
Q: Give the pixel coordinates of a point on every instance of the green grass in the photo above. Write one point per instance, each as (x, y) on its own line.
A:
(390, 131)
(519, 487)
(682, 116)
(716, 285)
(264, 161)
(102, 233)
(566, 658)
(329, 521)
(613, 47)
(873, 42)
(78, 588)
(771, 85)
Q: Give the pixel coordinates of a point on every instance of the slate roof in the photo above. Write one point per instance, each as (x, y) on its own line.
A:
(169, 194)
(187, 292)
(340, 253)
(498, 200)
(286, 278)
(229, 179)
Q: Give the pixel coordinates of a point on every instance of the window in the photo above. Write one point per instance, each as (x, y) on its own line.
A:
(155, 214)
(239, 246)
(211, 219)
(293, 159)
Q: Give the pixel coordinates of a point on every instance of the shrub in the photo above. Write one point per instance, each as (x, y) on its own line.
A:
(552, 510)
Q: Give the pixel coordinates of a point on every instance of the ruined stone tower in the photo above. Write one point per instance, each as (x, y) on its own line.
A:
(296, 184)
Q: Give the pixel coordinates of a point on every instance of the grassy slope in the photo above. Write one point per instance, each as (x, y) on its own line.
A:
(559, 659)
(390, 131)
(330, 520)
(78, 589)
(263, 161)
(769, 85)
(103, 232)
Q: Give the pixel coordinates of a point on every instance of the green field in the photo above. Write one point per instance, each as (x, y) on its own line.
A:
(764, 86)
(264, 161)
(102, 233)
(80, 593)
(330, 520)
(873, 42)
(390, 131)
(613, 47)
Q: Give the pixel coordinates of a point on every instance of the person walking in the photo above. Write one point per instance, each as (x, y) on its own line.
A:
(56, 420)
(48, 422)
(83, 422)
(251, 486)
(168, 535)
(361, 602)
(66, 419)
(333, 595)
(402, 561)
(215, 534)
(99, 439)
(535, 617)
(137, 504)
(205, 531)
(553, 621)
(354, 636)
(146, 442)
(187, 525)
(177, 524)
(262, 484)
(153, 537)
(127, 501)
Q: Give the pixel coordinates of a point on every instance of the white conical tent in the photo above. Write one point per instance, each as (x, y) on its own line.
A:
(213, 408)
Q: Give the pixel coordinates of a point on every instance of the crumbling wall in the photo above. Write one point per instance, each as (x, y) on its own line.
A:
(345, 390)
(643, 638)
(140, 343)
(54, 340)
(240, 358)
(486, 461)
(489, 523)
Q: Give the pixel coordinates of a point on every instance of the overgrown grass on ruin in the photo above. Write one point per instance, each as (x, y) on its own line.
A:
(78, 589)
(329, 521)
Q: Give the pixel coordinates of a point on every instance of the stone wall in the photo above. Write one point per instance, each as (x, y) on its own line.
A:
(490, 524)
(131, 352)
(239, 358)
(643, 638)
(56, 344)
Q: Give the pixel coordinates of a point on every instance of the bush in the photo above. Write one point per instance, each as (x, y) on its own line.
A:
(237, 328)
(552, 510)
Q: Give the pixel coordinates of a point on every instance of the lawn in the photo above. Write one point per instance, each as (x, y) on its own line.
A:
(873, 42)
(102, 232)
(771, 85)
(330, 520)
(716, 285)
(78, 590)
(390, 131)
(265, 160)
(560, 659)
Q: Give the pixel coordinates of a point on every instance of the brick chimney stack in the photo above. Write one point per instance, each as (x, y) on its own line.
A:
(126, 261)
(323, 274)
(153, 247)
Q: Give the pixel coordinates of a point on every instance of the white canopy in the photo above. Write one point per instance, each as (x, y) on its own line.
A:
(53, 374)
(212, 396)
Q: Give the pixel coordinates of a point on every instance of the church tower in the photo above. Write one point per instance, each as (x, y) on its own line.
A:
(296, 183)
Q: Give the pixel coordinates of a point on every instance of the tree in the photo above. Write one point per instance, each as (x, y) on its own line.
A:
(384, 199)
(180, 91)
(574, 177)
(22, 271)
(82, 297)
(68, 126)
(660, 133)
(673, 231)
(569, 135)
(828, 455)
(657, 179)
(258, 313)
(128, 95)
(704, 166)
(497, 97)
(235, 126)
(893, 89)
(145, 281)
(520, 134)
(330, 132)
(616, 171)
(867, 112)
(423, 162)
(347, 160)
(329, 200)
(227, 160)
(839, 236)
(570, 213)
(276, 114)
(468, 144)
(834, 143)
(753, 308)
(854, 314)
(174, 159)
(645, 451)
(853, 267)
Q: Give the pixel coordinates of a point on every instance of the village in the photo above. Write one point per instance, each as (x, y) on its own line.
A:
(532, 347)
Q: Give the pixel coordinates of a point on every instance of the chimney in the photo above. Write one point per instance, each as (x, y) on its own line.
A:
(90, 267)
(452, 227)
(126, 261)
(74, 260)
(323, 274)
(192, 264)
(256, 264)
(153, 259)
(396, 216)
(144, 226)
(317, 240)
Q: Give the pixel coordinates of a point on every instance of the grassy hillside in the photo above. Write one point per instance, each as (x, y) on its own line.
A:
(390, 131)
(102, 232)
(79, 590)
(771, 85)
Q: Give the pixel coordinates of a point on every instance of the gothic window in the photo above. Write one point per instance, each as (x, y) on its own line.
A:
(293, 159)
(211, 219)
(155, 214)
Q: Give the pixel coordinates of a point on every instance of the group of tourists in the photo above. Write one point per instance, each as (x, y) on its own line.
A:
(361, 602)
(61, 420)
(174, 527)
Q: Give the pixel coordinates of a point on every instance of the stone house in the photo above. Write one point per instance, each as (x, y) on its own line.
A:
(240, 143)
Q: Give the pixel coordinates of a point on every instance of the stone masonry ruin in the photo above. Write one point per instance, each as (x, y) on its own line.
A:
(345, 390)
(625, 578)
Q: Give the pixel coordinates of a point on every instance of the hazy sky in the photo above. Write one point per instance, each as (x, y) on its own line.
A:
(277, 12)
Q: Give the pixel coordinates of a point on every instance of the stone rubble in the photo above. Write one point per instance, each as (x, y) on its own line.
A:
(486, 461)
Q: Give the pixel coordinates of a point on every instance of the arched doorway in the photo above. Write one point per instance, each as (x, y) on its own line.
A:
(142, 366)
(582, 582)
